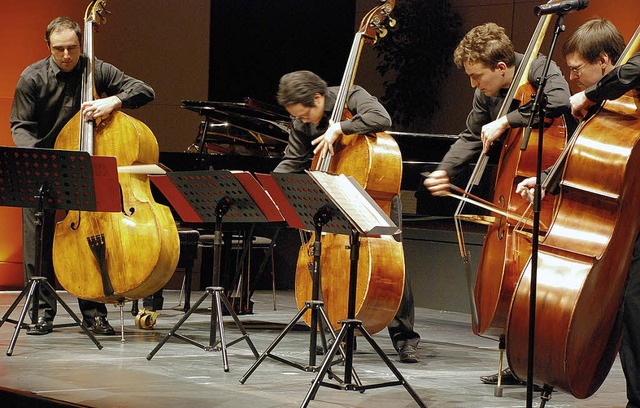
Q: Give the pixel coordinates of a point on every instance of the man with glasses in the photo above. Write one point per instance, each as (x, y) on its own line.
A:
(592, 51)
(310, 102)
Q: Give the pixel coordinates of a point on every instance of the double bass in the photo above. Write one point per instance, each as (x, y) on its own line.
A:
(376, 164)
(112, 257)
(584, 258)
(507, 242)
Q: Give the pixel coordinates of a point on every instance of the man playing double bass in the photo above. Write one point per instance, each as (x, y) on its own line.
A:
(310, 102)
(488, 57)
(591, 53)
(47, 96)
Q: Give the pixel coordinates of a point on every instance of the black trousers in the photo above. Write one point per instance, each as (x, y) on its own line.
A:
(630, 348)
(47, 306)
(401, 327)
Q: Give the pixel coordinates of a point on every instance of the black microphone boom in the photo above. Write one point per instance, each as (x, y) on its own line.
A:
(561, 7)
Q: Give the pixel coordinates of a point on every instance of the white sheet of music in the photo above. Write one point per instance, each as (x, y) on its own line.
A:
(355, 203)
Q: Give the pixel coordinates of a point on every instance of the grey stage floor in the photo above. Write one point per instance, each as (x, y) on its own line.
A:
(66, 366)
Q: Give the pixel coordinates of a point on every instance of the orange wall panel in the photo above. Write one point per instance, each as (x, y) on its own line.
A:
(22, 27)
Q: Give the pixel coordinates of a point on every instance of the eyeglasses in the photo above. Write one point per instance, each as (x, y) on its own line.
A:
(304, 116)
(576, 70)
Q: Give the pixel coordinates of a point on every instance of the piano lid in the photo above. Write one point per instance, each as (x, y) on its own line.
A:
(269, 124)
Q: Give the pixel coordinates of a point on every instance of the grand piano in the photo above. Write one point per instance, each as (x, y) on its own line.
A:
(248, 135)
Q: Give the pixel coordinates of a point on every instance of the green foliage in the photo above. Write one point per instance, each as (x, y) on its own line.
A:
(415, 58)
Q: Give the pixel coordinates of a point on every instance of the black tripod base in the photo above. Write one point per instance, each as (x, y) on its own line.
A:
(316, 306)
(348, 332)
(217, 301)
(29, 291)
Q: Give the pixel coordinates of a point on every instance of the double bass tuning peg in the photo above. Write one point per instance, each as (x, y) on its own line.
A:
(381, 29)
(392, 22)
(102, 12)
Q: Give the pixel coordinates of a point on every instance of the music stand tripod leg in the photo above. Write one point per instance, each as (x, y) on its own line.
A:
(51, 290)
(5, 318)
(391, 366)
(177, 326)
(216, 317)
(33, 285)
(324, 368)
(275, 343)
(29, 290)
(37, 283)
(219, 297)
(216, 312)
(245, 335)
(320, 218)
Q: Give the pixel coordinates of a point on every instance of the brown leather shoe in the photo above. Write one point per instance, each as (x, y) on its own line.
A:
(408, 354)
(507, 378)
(99, 325)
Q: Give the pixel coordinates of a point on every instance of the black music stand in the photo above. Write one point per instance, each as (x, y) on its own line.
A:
(207, 197)
(292, 193)
(48, 179)
(354, 213)
(538, 111)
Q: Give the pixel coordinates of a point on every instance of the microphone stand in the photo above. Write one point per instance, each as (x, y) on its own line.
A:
(539, 103)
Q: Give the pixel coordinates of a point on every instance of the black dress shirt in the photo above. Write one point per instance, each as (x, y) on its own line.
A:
(47, 98)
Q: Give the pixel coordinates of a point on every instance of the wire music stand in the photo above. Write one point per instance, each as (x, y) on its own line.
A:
(48, 179)
(208, 197)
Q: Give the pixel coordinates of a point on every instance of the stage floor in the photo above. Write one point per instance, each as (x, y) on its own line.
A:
(65, 368)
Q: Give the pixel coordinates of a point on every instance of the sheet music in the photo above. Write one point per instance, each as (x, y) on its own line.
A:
(355, 203)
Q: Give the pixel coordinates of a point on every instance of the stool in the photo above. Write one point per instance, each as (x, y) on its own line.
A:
(189, 239)
(267, 245)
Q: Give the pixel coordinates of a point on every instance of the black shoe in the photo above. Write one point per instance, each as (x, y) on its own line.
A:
(99, 325)
(408, 354)
(43, 326)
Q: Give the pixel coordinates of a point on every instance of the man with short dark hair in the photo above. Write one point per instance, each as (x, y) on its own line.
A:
(47, 96)
(310, 102)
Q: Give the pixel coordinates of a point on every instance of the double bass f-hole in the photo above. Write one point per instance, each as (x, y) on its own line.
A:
(501, 220)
